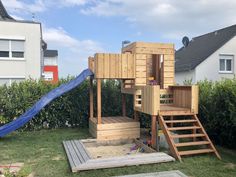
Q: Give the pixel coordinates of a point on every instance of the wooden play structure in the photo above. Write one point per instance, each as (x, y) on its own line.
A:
(146, 71)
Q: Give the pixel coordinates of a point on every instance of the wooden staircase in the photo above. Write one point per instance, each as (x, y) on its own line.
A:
(193, 138)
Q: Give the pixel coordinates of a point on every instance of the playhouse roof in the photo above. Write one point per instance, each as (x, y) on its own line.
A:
(201, 47)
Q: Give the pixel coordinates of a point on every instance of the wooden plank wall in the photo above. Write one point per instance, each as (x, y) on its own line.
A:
(182, 96)
(141, 69)
(112, 131)
(149, 67)
(151, 99)
(91, 63)
(150, 48)
(114, 66)
(169, 71)
(145, 51)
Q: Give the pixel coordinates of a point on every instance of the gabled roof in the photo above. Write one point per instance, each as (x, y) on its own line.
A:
(201, 47)
(50, 53)
(4, 16)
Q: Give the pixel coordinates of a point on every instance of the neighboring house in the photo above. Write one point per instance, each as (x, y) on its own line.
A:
(50, 72)
(21, 49)
(210, 56)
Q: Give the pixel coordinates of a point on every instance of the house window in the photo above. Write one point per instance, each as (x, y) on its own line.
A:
(12, 49)
(226, 63)
(9, 81)
(4, 48)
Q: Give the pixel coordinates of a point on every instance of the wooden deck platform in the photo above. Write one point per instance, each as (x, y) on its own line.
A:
(114, 128)
(169, 110)
(80, 159)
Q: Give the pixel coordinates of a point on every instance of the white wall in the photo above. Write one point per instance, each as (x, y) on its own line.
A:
(180, 77)
(30, 67)
(209, 68)
(50, 61)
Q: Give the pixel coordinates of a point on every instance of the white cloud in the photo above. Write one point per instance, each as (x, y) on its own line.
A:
(169, 18)
(73, 2)
(17, 6)
(73, 53)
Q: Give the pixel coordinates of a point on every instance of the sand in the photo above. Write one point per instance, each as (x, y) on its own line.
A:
(112, 151)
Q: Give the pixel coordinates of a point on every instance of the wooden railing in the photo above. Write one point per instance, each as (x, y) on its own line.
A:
(166, 97)
(138, 99)
(186, 97)
(127, 86)
(148, 99)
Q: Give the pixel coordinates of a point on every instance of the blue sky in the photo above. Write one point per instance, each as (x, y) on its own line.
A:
(80, 28)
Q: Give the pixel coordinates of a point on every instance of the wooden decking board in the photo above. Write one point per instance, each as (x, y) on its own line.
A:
(126, 161)
(196, 143)
(72, 157)
(78, 152)
(82, 151)
(79, 158)
(69, 156)
(111, 120)
(199, 151)
(180, 121)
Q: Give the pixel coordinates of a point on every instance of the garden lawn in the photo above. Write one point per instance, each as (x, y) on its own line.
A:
(43, 155)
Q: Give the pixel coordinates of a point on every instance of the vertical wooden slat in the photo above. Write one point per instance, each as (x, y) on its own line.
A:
(113, 66)
(99, 102)
(136, 117)
(154, 131)
(123, 105)
(194, 100)
(91, 97)
(106, 59)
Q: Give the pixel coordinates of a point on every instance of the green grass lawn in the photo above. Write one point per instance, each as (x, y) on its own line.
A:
(43, 154)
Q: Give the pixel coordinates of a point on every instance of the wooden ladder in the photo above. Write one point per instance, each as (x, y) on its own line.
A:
(193, 138)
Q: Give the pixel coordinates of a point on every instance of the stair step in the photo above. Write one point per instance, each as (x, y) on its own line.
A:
(192, 143)
(184, 128)
(180, 121)
(192, 152)
(187, 135)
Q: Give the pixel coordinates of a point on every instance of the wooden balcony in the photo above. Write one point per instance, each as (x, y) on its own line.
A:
(176, 100)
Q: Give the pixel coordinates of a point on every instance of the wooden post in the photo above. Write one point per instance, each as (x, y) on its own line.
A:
(154, 131)
(136, 118)
(91, 97)
(123, 105)
(171, 118)
(157, 139)
(99, 102)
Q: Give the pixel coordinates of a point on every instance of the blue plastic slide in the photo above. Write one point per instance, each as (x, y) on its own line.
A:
(45, 100)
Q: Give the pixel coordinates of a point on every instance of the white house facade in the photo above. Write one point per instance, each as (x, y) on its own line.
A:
(21, 52)
(219, 64)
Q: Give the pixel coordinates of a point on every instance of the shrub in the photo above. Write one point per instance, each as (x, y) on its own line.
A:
(217, 106)
(71, 109)
(217, 110)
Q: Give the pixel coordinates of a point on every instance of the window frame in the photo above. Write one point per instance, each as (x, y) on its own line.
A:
(221, 57)
(10, 58)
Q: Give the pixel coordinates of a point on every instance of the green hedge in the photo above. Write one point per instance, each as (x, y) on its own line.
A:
(217, 108)
(70, 109)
